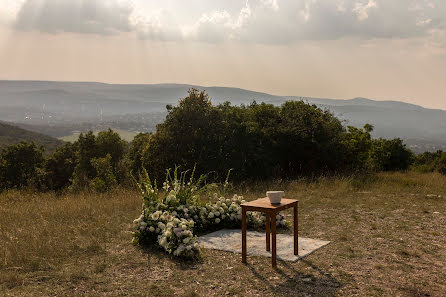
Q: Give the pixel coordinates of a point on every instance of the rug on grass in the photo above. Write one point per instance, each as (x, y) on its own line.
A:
(231, 241)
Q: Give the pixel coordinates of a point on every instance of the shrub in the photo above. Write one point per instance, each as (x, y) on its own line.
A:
(430, 162)
(441, 164)
(136, 150)
(105, 179)
(257, 141)
(59, 167)
(20, 165)
(390, 155)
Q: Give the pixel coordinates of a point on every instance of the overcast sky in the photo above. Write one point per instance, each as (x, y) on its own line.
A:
(380, 49)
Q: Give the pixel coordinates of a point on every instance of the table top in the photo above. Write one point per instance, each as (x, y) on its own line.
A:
(263, 203)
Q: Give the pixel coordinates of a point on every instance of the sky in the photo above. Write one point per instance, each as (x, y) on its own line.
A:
(378, 49)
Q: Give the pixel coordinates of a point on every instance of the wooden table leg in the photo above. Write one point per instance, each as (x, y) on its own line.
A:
(243, 235)
(273, 231)
(268, 232)
(296, 231)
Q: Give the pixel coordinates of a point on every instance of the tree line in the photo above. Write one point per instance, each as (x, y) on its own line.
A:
(255, 141)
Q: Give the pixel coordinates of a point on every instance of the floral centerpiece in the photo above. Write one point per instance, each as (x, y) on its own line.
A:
(172, 217)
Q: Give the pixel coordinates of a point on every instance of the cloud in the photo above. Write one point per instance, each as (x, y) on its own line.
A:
(160, 26)
(293, 21)
(8, 10)
(79, 16)
(252, 21)
(361, 9)
(219, 25)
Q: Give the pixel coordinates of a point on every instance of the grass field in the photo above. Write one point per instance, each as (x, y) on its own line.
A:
(126, 135)
(387, 232)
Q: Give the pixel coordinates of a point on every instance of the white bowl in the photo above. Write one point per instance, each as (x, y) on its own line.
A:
(275, 196)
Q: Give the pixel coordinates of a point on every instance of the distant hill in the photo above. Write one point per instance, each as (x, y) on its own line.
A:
(46, 106)
(10, 134)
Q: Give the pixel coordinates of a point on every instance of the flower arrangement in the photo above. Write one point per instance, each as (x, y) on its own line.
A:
(171, 218)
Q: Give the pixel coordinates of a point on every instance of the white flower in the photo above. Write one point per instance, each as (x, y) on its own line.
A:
(183, 226)
(142, 224)
(155, 216)
(211, 215)
(186, 240)
(217, 220)
(151, 229)
(223, 216)
(217, 213)
(174, 213)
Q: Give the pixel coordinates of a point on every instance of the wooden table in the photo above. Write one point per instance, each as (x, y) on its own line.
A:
(271, 210)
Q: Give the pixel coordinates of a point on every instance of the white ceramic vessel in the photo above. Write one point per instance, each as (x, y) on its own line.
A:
(275, 196)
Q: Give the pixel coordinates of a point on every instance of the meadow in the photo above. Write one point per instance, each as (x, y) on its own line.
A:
(387, 233)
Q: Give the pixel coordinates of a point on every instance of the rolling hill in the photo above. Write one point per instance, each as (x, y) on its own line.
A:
(10, 134)
(46, 106)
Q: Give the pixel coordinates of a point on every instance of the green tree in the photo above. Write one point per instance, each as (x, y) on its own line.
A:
(357, 144)
(20, 165)
(441, 164)
(59, 167)
(110, 143)
(136, 150)
(105, 179)
(390, 155)
(427, 161)
(309, 140)
(190, 135)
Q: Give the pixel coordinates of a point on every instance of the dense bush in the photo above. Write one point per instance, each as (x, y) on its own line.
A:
(20, 165)
(390, 155)
(90, 163)
(257, 141)
(261, 141)
(430, 162)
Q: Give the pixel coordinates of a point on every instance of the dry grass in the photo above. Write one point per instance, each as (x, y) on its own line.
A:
(387, 232)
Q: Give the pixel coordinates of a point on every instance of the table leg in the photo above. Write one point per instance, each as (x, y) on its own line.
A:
(273, 227)
(296, 230)
(268, 232)
(243, 235)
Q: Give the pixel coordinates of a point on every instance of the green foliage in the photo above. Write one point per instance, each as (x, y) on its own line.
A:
(357, 144)
(430, 162)
(90, 148)
(105, 179)
(190, 135)
(20, 165)
(257, 141)
(59, 167)
(441, 166)
(136, 150)
(390, 155)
